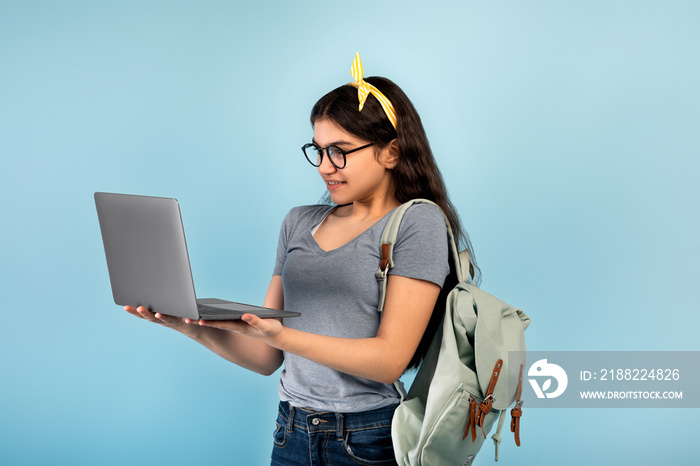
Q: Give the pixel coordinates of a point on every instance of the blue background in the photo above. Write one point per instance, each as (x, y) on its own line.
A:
(567, 132)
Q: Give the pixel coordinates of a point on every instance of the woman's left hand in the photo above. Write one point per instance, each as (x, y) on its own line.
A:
(250, 325)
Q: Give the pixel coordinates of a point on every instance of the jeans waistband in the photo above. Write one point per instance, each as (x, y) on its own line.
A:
(325, 421)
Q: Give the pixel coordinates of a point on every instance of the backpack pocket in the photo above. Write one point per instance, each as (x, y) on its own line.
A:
(445, 442)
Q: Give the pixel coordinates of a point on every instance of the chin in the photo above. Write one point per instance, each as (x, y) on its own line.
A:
(339, 200)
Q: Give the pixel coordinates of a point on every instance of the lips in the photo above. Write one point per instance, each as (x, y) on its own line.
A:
(334, 184)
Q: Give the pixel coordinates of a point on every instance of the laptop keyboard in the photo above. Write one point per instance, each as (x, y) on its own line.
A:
(205, 310)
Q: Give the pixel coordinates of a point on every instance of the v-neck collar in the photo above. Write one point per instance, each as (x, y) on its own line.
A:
(322, 251)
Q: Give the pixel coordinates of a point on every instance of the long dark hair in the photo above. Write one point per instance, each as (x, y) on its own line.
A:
(416, 174)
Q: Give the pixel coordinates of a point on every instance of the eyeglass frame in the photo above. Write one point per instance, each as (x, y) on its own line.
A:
(321, 150)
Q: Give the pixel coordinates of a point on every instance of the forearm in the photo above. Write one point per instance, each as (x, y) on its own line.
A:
(242, 350)
(371, 358)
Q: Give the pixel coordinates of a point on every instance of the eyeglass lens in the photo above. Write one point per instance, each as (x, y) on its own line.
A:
(314, 154)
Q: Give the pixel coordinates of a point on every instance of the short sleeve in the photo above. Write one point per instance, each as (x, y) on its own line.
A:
(282, 242)
(421, 250)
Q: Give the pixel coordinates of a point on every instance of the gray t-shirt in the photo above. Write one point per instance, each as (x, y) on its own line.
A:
(337, 294)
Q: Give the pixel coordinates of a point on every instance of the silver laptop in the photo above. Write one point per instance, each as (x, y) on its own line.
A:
(148, 261)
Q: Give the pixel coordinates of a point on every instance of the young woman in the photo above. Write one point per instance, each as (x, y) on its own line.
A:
(340, 359)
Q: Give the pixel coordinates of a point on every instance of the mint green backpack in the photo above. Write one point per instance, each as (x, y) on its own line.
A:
(466, 380)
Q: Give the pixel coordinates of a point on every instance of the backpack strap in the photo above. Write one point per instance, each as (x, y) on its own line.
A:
(487, 403)
(517, 412)
(497, 436)
(388, 239)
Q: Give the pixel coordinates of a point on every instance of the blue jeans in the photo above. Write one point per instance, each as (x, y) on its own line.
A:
(305, 437)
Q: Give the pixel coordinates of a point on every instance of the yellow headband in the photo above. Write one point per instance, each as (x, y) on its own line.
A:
(364, 89)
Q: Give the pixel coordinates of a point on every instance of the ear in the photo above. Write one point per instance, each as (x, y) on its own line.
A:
(390, 154)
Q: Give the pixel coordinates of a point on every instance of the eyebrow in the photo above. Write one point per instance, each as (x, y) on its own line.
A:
(336, 143)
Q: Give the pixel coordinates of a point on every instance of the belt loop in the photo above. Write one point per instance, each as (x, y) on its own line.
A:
(290, 419)
(339, 425)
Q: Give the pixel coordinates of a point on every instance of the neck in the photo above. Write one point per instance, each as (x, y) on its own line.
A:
(374, 207)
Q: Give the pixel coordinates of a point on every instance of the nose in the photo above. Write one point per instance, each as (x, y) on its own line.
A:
(326, 166)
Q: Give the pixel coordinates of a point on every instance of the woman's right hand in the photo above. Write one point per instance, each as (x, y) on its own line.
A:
(176, 323)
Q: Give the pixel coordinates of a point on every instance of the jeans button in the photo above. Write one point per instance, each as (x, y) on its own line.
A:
(315, 421)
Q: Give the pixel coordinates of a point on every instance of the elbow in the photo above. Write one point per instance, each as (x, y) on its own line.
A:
(388, 380)
(391, 375)
(269, 369)
(264, 367)
(266, 371)
(391, 366)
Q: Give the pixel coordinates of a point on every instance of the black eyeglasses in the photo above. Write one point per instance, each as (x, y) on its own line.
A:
(314, 154)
